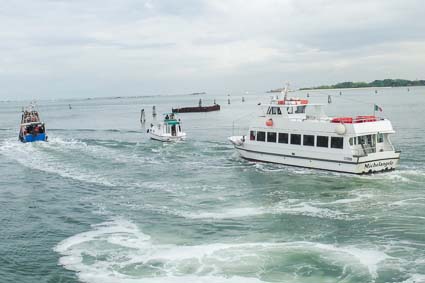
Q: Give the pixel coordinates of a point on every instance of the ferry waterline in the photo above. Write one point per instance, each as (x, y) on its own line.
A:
(292, 131)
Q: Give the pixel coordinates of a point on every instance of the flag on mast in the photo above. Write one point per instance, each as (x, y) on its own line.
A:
(377, 108)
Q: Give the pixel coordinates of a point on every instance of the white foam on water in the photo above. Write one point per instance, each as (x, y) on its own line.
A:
(358, 197)
(405, 175)
(117, 251)
(409, 202)
(288, 207)
(97, 151)
(36, 156)
(415, 278)
(226, 214)
(352, 200)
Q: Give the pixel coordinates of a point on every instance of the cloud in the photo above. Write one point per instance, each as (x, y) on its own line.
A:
(160, 46)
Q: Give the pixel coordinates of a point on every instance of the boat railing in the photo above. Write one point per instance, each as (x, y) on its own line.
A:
(363, 151)
(368, 149)
(386, 148)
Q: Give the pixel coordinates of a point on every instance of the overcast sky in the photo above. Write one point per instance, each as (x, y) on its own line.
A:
(86, 48)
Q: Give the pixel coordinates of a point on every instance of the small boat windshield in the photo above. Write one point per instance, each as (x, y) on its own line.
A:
(171, 119)
(169, 116)
(30, 117)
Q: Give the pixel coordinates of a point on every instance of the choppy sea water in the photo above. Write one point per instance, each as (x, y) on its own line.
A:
(100, 202)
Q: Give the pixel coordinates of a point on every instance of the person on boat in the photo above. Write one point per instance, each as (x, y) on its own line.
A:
(167, 117)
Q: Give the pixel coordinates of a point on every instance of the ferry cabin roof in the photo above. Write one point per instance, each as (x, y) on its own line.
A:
(311, 118)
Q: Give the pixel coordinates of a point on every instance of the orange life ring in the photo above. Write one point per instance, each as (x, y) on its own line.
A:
(269, 123)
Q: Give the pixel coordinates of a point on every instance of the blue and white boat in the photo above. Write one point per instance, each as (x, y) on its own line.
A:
(32, 129)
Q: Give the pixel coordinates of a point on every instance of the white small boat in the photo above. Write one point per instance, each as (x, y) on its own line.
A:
(294, 132)
(168, 130)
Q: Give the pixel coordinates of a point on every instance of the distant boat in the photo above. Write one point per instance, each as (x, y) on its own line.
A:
(32, 128)
(169, 130)
(215, 107)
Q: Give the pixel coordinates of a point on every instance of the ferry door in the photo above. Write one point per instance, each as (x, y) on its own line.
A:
(368, 143)
(173, 130)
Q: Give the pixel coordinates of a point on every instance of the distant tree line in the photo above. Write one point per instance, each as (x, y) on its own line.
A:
(375, 83)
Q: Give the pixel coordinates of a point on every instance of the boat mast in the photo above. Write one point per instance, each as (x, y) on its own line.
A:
(285, 91)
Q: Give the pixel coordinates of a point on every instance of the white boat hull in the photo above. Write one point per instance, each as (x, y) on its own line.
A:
(167, 138)
(378, 162)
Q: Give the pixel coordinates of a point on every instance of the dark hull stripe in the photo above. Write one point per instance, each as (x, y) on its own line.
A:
(322, 169)
(317, 159)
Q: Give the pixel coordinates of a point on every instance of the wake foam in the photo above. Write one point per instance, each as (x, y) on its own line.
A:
(39, 156)
(117, 251)
(286, 207)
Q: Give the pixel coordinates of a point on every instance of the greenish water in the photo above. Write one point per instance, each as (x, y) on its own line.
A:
(100, 202)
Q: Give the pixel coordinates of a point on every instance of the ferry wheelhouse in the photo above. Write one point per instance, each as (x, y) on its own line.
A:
(31, 129)
(168, 130)
(298, 133)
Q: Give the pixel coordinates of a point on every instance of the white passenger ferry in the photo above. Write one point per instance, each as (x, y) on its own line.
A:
(294, 132)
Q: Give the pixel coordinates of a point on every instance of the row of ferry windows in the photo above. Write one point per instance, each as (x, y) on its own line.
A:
(367, 139)
(307, 140)
(295, 109)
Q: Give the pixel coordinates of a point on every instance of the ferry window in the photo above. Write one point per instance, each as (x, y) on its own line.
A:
(278, 111)
(322, 141)
(261, 136)
(290, 110)
(300, 109)
(337, 142)
(274, 110)
(271, 137)
(269, 110)
(351, 140)
(380, 137)
(252, 135)
(365, 140)
(283, 138)
(308, 140)
(295, 139)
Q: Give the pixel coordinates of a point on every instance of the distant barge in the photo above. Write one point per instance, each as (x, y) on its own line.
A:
(214, 107)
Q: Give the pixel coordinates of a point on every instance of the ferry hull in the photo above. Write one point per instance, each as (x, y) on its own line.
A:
(365, 166)
(34, 138)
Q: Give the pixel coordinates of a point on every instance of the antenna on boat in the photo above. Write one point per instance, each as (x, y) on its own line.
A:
(285, 91)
